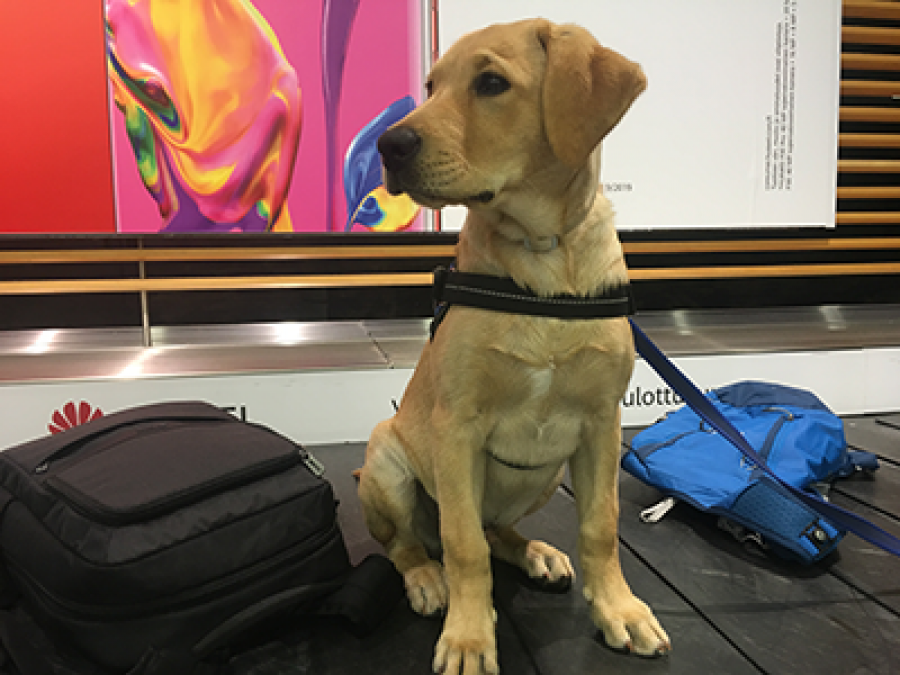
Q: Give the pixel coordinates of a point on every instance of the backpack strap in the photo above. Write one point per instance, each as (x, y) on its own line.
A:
(784, 521)
(372, 590)
(18, 649)
(362, 601)
(842, 518)
(860, 460)
(8, 593)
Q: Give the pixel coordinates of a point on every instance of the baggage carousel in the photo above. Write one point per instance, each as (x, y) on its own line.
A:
(55, 355)
(728, 606)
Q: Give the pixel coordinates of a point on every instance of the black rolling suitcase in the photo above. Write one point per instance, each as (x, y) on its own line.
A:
(165, 529)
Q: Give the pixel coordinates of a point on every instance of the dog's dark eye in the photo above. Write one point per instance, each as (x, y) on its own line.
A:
(490, 84)
(429, 88)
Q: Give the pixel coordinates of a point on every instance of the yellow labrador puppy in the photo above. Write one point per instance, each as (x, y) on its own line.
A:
(500, 402)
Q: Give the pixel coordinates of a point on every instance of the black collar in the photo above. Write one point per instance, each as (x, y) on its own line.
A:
(502, 294)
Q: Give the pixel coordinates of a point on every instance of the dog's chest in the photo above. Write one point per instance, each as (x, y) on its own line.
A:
(545, 389)
(541, 410)
(550, 409)
(529, 444)
(541, 379)
(546, 384)
(551, 370)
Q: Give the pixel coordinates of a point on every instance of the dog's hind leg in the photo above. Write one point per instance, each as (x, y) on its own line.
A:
(548, 567)
(389, 492)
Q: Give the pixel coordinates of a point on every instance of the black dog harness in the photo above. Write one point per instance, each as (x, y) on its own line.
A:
(502, 294)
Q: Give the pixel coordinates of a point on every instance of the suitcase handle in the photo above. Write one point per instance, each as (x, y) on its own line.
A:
(16, 646)
(61, 444)
(229, 629)
(156, 661)
(362, 600)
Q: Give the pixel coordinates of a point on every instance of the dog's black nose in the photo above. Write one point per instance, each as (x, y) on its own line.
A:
(398, 146)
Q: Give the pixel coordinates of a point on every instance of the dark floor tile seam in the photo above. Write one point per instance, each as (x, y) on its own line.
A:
(837, 489)
(840, 576)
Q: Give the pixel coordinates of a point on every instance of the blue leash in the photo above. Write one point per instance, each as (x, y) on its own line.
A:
(679, 382)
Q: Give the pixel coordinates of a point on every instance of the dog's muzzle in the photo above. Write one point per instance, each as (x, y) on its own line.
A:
(399, 147)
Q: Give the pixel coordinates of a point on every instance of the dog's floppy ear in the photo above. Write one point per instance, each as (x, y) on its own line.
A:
(587, 89)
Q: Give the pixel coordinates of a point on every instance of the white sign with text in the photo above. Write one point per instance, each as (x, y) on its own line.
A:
(738, 126)
(344, 406)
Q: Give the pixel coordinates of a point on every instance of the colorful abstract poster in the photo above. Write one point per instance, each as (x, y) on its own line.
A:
(258, 115)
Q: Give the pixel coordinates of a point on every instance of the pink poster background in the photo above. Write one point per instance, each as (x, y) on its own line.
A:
(383, 64)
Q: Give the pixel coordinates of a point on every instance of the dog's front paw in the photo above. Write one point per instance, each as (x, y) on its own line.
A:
(467, 647)
(426, 588)
(548, 567)
(628, 625)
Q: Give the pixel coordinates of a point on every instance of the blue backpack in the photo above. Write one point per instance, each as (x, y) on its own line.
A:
(794, 433)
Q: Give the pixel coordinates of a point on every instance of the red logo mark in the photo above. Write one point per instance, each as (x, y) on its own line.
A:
(72, 415)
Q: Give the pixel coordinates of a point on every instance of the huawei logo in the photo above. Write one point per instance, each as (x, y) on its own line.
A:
(71, 415)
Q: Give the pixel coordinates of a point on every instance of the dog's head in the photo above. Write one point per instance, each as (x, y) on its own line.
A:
(508, 106)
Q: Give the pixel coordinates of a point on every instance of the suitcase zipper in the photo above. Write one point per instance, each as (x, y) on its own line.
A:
(313, 464)
(168, 503)
(259, 570)
(115, 437)
(98, 512)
